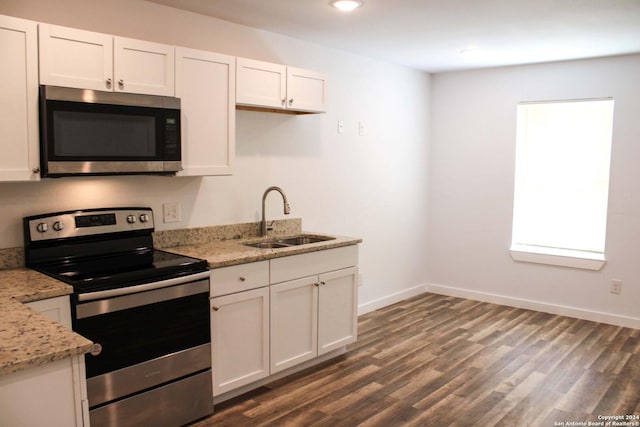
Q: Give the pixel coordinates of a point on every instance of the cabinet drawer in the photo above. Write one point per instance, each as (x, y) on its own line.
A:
(312, 263)
(238, 278)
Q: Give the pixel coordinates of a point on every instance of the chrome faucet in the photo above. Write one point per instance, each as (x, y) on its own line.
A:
(287, 208)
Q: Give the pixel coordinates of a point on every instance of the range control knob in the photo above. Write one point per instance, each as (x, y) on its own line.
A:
(131, 219)
(58, 226)
(42, 227)
(144, 218)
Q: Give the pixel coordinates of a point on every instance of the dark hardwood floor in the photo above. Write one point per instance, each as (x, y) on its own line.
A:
(441, 361)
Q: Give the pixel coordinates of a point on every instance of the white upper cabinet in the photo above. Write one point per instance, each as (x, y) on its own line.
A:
(19, 107)
(306, 90)
(278, 87)
(75, 58)
(261, 84)
(143, 67)
(88, 60)
(205, 84)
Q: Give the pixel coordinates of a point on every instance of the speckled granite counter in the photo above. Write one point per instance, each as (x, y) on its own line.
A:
(26, 285)
(223, 245)
(223, 253)
(27, 338)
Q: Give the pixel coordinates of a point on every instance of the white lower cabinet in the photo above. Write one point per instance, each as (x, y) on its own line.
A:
(239, 325)
(294, 323)
(240, 339)
(43, 396)
(337, 309)
(312, 316)
(270, 316)
(57, 309)
(54, 394)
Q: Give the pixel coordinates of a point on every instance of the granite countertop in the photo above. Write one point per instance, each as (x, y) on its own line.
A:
(28, 338)
(223, 253)
(26, 285)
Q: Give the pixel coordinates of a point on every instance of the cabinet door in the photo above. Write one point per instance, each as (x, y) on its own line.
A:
(43, 395)
(205, 84)
(57, 309)
(143, 67)
(19, 107)
(239, 339)
(260, 84)
(306, 90)
(294, 323)
(75, 58)
(337, 309)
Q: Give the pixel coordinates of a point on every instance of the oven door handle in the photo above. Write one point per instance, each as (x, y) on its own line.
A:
(91, 296)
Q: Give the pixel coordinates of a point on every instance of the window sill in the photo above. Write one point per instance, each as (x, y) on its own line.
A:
(559, 257)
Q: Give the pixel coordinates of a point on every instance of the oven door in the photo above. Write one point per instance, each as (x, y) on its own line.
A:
(145, 339)
(93, 132)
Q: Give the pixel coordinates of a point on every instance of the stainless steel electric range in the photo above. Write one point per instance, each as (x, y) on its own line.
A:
(146, 310)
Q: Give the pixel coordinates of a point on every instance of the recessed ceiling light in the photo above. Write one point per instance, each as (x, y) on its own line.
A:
(346, 5)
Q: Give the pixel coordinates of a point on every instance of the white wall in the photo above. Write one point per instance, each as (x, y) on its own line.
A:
(471, 180)
(374, 187)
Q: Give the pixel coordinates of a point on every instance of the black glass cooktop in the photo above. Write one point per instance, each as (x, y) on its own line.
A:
(121, 270)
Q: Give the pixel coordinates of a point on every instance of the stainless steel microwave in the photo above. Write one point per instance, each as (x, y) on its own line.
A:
(89, 132)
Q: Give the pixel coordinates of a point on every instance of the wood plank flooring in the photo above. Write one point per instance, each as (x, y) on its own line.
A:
(440, 361)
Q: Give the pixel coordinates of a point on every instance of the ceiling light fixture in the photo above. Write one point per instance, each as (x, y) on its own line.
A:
(346, 5)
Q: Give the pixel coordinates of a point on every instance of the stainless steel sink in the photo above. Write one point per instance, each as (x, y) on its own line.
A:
(266, 245)
(286, 242)
(303, 240)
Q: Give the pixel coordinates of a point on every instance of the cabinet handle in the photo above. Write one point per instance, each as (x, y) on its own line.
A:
(216, 308)
(242, 278)
(322, 282)
(35, 170)
(290, 101)
(316, 284)
(108, 83)
(284, 101)
(121, 84)
(95, 349)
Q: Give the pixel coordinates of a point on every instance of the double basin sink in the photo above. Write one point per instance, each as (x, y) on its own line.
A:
(287, 242)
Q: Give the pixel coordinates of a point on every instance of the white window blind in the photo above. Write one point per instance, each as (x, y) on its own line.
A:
(563, 152)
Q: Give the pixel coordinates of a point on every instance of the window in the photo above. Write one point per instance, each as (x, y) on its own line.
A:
(563, 151)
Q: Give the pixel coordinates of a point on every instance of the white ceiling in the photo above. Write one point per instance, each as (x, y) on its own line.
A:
(429, 34)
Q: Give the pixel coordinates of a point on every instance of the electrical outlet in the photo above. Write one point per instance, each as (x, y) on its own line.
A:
(340, 127)
(616, 286)
(171, 212)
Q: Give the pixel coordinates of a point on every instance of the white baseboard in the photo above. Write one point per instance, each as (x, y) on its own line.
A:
(391, 299)
(595, 316)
